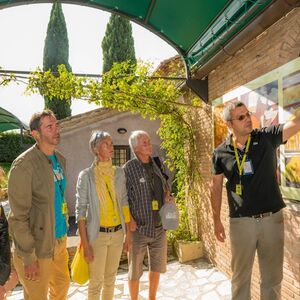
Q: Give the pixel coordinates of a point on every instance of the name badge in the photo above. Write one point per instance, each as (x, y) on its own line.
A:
(238, 189)
(64, 208)
(154, 204)
(58, 175)
(248, 167)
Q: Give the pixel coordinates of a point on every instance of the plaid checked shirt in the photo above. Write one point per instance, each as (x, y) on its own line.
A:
(140, 195)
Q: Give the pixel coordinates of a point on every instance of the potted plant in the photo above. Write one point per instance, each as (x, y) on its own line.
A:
(186, 245)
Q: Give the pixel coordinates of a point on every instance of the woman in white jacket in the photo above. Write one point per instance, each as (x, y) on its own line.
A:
(103, 217)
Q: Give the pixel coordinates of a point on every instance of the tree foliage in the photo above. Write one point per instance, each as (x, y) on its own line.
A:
(118, 43)
(56, 52)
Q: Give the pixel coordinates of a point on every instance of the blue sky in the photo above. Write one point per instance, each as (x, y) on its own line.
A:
(22, 34)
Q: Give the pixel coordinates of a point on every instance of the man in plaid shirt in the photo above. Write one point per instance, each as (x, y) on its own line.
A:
(148, 190)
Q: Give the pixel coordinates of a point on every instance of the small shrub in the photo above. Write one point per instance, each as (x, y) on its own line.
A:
(3, 184)
(5, 166)
(12, 145)
(183, 231)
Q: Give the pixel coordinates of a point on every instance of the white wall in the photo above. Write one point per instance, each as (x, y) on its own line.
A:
(74, 145)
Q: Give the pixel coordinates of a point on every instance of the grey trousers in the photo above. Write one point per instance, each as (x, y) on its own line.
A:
(266, 237)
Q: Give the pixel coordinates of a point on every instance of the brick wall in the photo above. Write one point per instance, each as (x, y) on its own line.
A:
(273, 48)
(278, 45)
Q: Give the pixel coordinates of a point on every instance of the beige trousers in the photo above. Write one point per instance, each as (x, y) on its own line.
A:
(107, 249)
(54, 278)
(265, 237)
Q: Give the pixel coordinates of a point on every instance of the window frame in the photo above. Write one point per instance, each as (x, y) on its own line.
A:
(121, 147)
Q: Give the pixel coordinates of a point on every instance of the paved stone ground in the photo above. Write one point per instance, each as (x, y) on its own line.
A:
(197, 280)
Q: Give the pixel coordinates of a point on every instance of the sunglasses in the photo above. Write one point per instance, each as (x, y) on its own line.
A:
(99, 135)
(243, 117)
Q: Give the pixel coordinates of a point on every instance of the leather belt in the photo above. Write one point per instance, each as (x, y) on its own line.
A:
(110, 229)
(263, 215)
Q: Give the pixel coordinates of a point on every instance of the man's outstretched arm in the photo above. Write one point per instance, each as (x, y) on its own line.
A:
(290, 128)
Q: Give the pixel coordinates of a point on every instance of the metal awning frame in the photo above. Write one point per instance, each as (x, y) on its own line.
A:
(206, 51)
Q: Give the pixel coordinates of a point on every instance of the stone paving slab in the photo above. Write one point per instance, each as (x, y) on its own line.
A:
(197, 280)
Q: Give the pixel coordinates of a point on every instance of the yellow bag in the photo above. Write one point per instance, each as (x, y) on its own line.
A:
(79, 267)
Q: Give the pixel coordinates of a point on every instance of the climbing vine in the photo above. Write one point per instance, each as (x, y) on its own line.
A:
(132, 88)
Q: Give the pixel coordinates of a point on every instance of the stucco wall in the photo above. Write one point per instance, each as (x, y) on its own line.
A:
(278, 45)
(74, 142)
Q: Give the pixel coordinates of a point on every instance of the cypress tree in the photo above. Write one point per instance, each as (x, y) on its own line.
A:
(56, 52)
(118, 43)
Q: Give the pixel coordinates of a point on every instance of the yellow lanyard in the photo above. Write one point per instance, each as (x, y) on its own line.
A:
(241, 164)
(114, 202)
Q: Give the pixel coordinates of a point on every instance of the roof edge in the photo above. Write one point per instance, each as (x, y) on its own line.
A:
(268, 17)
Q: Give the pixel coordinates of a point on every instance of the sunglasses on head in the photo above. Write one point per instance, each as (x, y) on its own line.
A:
(243, 117)
(99, 135)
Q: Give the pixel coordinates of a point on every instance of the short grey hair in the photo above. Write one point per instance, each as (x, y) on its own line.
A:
(134, 136)
(96, 137)
(226, 113)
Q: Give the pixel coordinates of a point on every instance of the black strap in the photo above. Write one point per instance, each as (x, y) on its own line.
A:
(158, 163)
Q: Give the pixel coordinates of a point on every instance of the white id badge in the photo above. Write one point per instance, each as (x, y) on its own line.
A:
(248, 167)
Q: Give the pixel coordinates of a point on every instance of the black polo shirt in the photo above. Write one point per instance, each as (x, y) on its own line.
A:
(261, 192)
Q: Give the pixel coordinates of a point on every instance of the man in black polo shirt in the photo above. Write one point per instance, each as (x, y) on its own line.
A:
(248, 160)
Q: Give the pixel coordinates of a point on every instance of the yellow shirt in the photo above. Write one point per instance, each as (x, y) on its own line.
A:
(109, 213)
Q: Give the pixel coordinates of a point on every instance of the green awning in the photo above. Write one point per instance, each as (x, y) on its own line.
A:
(203, 32)
(8, 121)
(196, 28)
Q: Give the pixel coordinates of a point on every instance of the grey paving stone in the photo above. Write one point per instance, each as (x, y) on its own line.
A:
(197, 280)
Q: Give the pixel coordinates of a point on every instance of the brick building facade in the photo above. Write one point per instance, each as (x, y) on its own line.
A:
(278, 45)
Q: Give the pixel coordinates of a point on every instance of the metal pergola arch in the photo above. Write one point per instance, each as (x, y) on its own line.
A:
(199, 30)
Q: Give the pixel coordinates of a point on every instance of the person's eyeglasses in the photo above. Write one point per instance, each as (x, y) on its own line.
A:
(243, 117)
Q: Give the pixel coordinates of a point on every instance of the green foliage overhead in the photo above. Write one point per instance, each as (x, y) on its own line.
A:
(56, 52)
(118, 43)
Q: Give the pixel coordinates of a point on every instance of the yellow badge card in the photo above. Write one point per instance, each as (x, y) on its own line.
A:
(154, 204)
(238, 189)
(64, 208)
